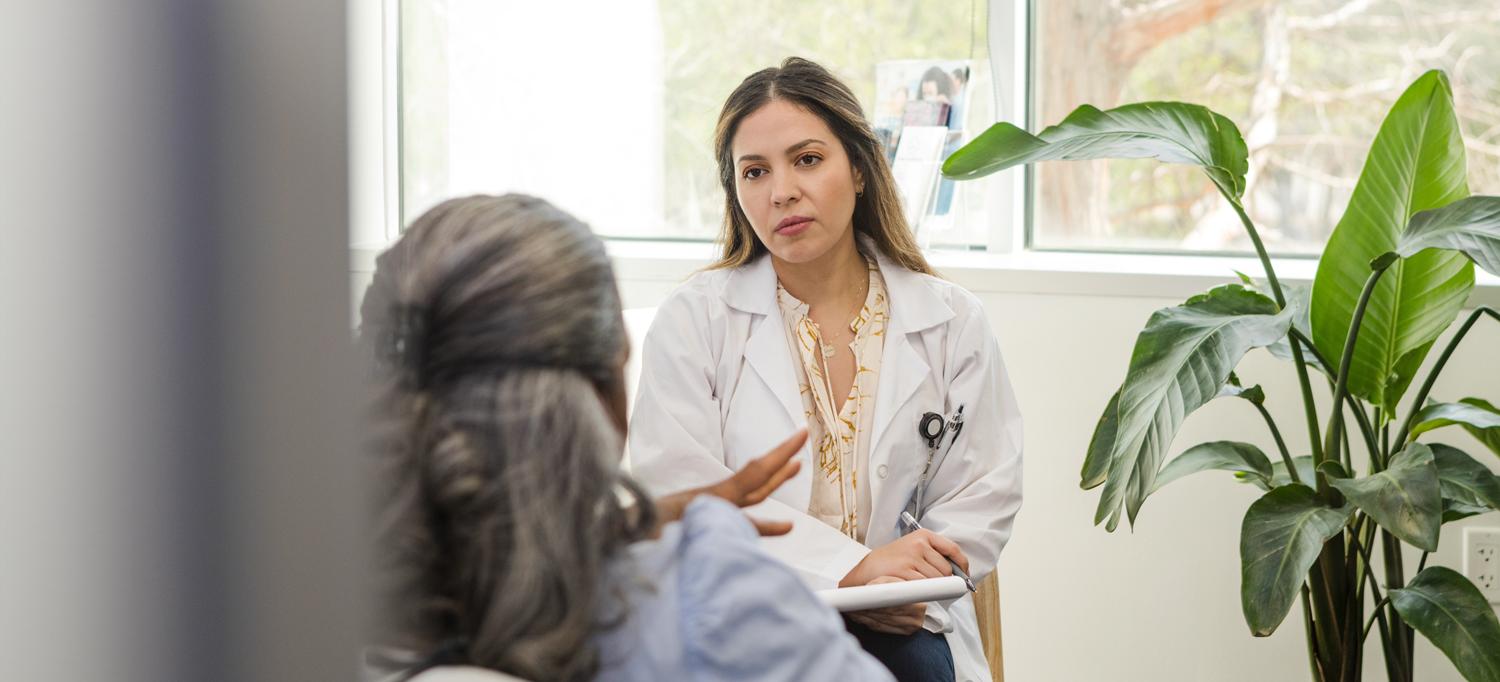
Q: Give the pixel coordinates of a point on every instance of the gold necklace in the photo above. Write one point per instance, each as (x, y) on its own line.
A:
(830, 349)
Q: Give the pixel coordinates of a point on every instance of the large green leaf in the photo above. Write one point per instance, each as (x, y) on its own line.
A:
(1404, 499)
(1448, 610)
(1468, 486)
(1478, 416)
(1298, 298)
(1222, 455)
(1096, 463)
(1279, 476)
(1416, 163)
(1279, 541)
(1471, 226)
(1181, 359)
(1167, 131)
(1457, 511)
(1490, 437)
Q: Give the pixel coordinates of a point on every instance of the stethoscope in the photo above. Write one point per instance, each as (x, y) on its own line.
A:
(934, 430)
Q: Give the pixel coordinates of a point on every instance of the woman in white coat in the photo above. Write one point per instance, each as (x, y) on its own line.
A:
(823, 313)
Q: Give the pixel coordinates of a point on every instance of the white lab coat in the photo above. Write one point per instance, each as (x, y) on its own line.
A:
(718, 388)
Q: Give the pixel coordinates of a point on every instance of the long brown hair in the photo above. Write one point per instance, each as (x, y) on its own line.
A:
(877, 213)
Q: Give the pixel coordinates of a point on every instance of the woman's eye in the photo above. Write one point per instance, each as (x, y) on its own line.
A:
(753, 173)
(808, 159)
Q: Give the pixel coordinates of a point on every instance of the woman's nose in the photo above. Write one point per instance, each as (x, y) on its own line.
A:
(784, 191)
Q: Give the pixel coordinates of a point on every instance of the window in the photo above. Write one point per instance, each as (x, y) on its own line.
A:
(608, 109)
(1306, 81)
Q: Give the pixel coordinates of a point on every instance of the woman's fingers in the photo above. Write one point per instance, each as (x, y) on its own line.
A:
(949, 548)
(936, 562)
(758, 479)
(770, 528)
(784, 474)
(927, 570)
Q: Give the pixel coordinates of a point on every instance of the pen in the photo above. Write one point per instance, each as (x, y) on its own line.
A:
(911, 525)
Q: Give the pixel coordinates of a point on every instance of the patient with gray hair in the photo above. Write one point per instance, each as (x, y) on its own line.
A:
(507, 538)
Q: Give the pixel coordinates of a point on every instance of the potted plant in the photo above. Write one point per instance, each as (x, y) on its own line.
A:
(1393, 277)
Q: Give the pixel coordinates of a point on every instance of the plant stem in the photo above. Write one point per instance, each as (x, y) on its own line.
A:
(1354, 603)
(1395, 577)
(1378, 606)
(1333, 550)
(1308, 406)
(1260, 249)
(1394, 668)
(1341, 387)
(1348, 451)
(1312, 639)
(1416, 403)
(1286, 456)
(1298, 335)
(1423, 563)
(1368, 433)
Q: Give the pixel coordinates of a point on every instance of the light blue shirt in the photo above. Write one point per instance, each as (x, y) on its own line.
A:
(704, 602)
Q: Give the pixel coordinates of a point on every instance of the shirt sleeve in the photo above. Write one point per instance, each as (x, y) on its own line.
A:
(748, 617)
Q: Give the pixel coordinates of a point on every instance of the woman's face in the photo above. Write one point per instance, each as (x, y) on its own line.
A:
(794, 181)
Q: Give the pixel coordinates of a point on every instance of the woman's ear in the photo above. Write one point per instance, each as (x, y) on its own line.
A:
(859, 182)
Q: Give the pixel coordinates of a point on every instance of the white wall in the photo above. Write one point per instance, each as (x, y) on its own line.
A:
(1159, 603)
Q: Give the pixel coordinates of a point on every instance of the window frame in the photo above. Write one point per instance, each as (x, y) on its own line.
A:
(1008, 263)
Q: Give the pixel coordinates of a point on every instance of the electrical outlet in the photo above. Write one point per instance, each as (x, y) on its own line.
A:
(1482, 560)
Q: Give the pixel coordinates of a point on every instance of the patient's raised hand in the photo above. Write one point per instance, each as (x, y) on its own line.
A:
(749, 486)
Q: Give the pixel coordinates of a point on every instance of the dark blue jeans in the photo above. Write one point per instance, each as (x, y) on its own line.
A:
(918, 657)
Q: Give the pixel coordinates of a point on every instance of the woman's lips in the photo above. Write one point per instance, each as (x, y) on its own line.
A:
(793, 226)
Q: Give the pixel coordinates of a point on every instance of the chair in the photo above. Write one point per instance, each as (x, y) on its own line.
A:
(463, 673)
(987, 609)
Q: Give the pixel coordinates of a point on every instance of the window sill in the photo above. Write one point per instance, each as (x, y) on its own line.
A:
(1033, 272)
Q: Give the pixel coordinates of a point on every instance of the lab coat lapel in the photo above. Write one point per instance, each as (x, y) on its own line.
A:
(752, 289)
(915, 307)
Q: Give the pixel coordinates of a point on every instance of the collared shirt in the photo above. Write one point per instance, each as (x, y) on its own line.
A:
(840, 437)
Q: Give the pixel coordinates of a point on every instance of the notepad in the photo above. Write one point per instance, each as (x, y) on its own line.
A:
(819, 553)
(894, 594)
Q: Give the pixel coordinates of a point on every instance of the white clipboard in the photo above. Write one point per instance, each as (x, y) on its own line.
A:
(894, 594)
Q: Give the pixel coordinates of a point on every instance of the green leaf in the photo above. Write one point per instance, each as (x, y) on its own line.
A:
(1181, 359)
(1416, 163)
(1465, 483)
(1173, 132)
(1280, 539)
(1489, 437)
(1455, 511)
(1451, 612)
(1279, 475)
(1470, 226)
(1220, 455)
(1232, 389)
(1298, 299)
(1480, 417)
(1096, 463)
(1404, 499)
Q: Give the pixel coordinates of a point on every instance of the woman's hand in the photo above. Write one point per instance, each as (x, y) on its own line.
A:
(894, 620)
(916, 555)
(749, 486)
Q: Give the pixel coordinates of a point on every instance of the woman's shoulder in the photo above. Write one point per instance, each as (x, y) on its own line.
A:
(965, 305)
(700, 293)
